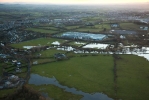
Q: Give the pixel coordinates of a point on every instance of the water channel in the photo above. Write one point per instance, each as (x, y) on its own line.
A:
(41, 80)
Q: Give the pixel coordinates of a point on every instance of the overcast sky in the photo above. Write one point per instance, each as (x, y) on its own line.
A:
(77, 1)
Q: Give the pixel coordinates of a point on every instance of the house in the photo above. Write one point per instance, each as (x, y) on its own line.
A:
(18, 64)
(59, 56)
(13, 78)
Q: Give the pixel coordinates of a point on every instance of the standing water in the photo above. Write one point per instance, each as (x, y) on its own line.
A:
(40, 80)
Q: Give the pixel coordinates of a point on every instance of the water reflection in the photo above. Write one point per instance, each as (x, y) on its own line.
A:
(41, 80)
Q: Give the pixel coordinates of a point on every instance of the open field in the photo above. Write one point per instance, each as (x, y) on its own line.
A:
(49, 28)
(129, 26)
(42, 30)
(93, 74)
(96, 28)
(71, 27)
(50, 52)
(133, 78)
(90, 74)
(88, 30)
(37, 42)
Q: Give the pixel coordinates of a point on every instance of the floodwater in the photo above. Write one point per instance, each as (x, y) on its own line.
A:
(96, 45)
(28, 47)
(41, 80)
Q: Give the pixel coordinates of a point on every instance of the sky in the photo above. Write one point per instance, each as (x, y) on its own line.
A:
(75, 1)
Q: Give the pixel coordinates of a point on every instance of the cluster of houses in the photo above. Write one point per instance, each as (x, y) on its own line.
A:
(8, 78)
(9, 81)
(15, 36)
(22, 23)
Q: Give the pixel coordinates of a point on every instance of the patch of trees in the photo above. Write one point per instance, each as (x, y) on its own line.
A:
(26, 93)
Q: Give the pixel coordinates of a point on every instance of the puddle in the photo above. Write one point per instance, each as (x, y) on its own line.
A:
(41, 80)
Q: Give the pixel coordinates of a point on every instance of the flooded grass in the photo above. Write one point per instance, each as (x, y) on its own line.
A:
(132, 78)
(42, 80)
(89, 74)
(56, 92)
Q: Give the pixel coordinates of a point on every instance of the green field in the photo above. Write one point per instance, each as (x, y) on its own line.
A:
(96, 28)
(133, 78)
(42, 30)
(71, 27)
(90, 74)
(129, 26)
(49, 28)
(95, 74)
(37, 42)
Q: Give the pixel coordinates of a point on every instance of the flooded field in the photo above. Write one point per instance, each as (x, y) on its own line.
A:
(41, 80)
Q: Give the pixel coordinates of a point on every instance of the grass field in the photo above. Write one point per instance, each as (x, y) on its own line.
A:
(50, 52)
(37, 42)
(71, 27)
(129, 26)
(49, 28)
(95, 74)
(42, 30)
(90, 74)
(96, 28)
(133, 78)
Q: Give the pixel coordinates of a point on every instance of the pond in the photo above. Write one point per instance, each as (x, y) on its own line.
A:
(41, 80)
(83, 36)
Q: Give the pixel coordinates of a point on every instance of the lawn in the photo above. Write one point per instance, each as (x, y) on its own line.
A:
(96, 28)
(90, 74)
(37, 42)
(129, 26)
(133, 78)
(42, 30)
